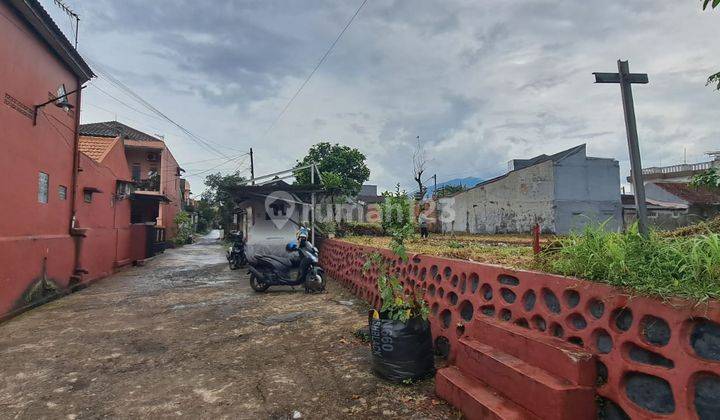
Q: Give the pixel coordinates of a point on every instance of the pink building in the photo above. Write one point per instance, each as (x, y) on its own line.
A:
(157, 197)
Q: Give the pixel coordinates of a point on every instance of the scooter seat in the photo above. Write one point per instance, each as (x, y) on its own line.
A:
(284, 262)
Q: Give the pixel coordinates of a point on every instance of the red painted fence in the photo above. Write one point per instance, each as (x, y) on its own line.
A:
(654, 359)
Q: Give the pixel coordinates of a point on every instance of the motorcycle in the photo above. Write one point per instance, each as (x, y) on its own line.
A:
(236, 253)
(271, 270)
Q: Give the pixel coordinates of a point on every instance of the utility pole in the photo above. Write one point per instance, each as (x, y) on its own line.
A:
(626, 79)
(252, 167)
(312, 199)
(435, 185)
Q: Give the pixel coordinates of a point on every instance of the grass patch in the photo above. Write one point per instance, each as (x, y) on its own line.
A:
(508, 250)
(662, 266)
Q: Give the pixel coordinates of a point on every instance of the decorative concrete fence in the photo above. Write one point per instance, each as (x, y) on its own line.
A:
(654, 359)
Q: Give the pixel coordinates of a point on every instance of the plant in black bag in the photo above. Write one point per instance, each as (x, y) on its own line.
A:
(400, 332)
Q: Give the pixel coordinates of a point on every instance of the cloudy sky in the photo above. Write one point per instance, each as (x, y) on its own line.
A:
(480, 81)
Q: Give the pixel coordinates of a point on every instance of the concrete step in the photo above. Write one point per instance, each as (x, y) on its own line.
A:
(544, 394)
(549, 353)
(475, 399)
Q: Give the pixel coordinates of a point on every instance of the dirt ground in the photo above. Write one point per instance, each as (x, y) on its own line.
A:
(184, 336)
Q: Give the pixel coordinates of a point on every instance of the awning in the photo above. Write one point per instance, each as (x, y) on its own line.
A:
(149, 197)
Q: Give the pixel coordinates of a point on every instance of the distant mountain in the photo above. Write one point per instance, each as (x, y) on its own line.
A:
(468, 182)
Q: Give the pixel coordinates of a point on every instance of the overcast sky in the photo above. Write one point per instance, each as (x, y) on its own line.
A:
(480, 81)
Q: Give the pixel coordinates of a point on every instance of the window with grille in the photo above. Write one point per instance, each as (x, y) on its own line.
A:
(62, 192)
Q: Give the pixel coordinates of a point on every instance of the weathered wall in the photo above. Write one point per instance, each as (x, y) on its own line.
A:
(587, 190)
(269, 236)
(34, 237)
(654, 358)
(510, 205)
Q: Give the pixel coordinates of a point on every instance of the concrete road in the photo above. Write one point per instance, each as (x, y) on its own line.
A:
(184, 336)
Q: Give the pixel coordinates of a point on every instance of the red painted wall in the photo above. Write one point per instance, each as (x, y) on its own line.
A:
(619, 329)
(107, 219)
(32, 232)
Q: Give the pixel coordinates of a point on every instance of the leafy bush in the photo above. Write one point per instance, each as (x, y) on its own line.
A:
(184, 227)
(708, 179)
(396, 211)
(662, 266)
(396, 303)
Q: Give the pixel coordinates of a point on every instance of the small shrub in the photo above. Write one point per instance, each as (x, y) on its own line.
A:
(184, 227)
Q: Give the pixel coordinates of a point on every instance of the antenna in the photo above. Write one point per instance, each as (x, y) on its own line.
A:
(68, 11)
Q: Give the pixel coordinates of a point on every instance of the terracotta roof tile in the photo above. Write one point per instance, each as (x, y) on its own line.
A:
(690, 194)
(96, 147)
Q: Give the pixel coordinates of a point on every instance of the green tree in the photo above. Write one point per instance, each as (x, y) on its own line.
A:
(333, 184)
(448, 190)
(206, 211)
(708, 179)
(219, 193)
(715, 78)
(184, 228)
(346, 162)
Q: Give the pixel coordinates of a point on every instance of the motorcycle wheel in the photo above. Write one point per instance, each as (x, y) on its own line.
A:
(315, 283)
(257, 285)
(233, 264)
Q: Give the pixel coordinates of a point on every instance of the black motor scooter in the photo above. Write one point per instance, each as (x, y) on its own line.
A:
(236, 253)
(301, 263)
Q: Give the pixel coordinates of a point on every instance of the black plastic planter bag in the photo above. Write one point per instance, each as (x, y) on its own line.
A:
(401, 351)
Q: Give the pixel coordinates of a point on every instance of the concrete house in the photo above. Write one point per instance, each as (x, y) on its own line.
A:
(157, 196)
(699, 203)
(560, 192)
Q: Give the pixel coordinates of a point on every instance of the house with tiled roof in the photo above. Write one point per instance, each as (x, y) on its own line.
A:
(158, 190)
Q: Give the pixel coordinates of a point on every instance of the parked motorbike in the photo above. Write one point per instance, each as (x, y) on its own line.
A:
(236, 253)
(300, 267)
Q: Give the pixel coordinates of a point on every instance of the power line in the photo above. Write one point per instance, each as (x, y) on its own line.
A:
(317, 66)
(118, 84)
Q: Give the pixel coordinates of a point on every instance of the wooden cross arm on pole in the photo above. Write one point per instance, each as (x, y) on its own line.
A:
(639, 78)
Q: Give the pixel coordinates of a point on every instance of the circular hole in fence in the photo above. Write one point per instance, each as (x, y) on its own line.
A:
(447, 272)
(488, 310)
(460, 330)
(603, 341)
(602, 373)
(707, 396)
(505, 314)
(433, 271)
(522, 322)
(551, 301)
(654, 330)
(434, 308)
(596, 308)
(622, 319)
(557, 330)
(572, 298)
(442, 347)
(649, 392)
(487, 291)
(577, 341)
(446, 318)
(529, 300)
(474, 282)
(576, 321)
(423, 274)
(508, 280)
(539, 323)
(441, 292)
(431, 290)
(705, 339)
(463, 285)
(508, 295)
(453, 298)
(466, 310)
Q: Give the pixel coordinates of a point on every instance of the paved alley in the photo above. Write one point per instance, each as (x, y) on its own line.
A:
(184, 336)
